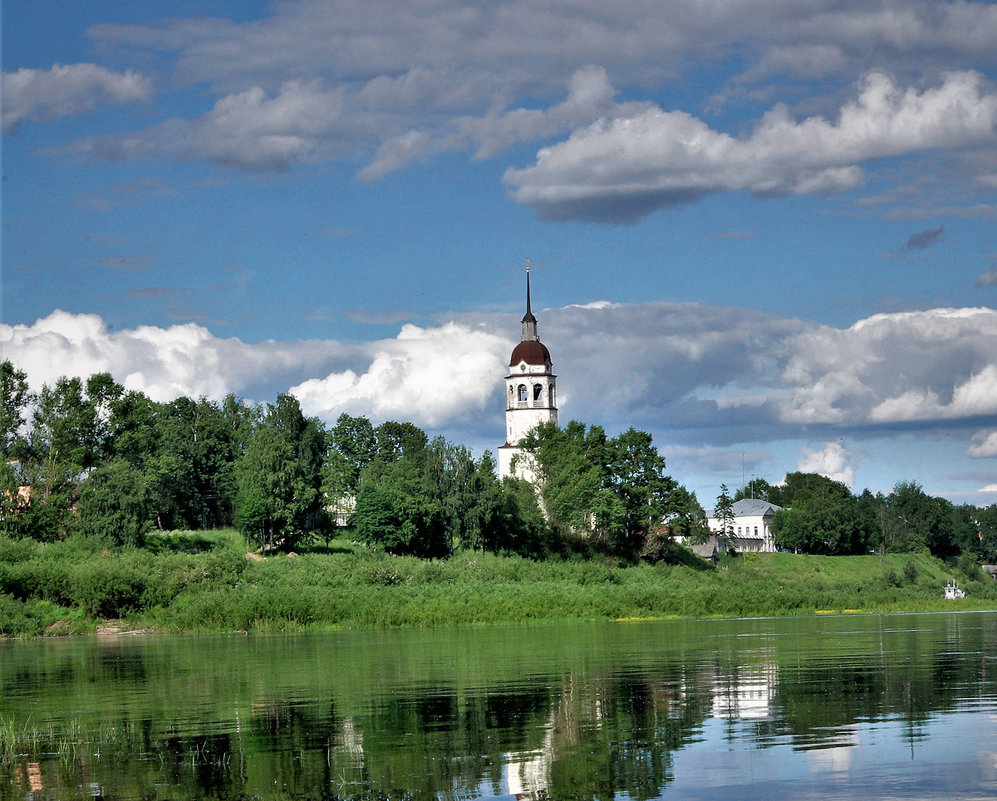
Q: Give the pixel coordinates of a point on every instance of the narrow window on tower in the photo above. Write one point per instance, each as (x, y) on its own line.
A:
(522, 393)
(538, 393)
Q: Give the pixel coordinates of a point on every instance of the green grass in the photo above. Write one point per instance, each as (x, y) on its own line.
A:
(194, 541)
(194, 581)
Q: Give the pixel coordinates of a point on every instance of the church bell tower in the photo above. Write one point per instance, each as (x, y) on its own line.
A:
(530, 394)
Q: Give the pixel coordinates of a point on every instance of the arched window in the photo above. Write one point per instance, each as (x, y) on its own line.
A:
(538, 393)
(522, 393)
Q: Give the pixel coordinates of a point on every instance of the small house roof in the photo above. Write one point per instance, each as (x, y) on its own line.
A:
(750, 507)
(705, 550)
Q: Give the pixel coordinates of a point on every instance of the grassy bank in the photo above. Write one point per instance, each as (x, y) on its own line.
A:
(188, 582)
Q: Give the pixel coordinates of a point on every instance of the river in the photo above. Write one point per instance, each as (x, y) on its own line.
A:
(871, 707)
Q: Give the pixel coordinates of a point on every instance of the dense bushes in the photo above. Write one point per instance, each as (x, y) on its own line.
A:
(69, 586)
(86, 575)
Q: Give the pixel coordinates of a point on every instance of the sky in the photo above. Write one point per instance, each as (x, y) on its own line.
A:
(764, 232)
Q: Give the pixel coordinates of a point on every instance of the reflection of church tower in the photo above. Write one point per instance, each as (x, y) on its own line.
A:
(530, 397)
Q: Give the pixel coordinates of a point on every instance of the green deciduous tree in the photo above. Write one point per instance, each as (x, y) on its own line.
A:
(986, 543)
(757, 488)
(914, 520)
(280, 477)
(170, 467)
(113, 504)
(132, 427)
(611, 492)
(215, 452)
(69, 437)
(352, 447)
(15, 398)
(966, 527)
(570, 483)
(798, 486)
(396, 511)
(187, 452)
(450, 479)
(70, 427)
(430, 498)
(395, 440)
(829, 527)
(685, 516)
(636, 475)
(484, 528)
(822, 517)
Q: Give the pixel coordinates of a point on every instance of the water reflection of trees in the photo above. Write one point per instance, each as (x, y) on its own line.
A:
(593, 730)
(587, 736)
(618, 734)
(579, 737)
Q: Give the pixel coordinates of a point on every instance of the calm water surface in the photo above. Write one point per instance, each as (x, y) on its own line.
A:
(891, 707)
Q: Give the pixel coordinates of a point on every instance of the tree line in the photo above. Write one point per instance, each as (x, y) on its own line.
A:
(89, 457)
(822, 516)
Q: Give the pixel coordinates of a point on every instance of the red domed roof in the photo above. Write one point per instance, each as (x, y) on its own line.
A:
(531, 352)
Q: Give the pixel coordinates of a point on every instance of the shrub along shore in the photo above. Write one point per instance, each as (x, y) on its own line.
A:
(193, 583)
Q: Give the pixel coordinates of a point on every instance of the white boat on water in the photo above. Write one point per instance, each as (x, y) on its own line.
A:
(952, 591)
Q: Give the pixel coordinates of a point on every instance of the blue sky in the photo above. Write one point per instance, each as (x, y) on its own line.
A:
(766, 232)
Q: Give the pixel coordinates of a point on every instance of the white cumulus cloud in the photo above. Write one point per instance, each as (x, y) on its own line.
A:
(590, 95)
(249, 130)
(164, 363)
(938, 364)
(66, 89)
(984, 445)
(619, 169)
(830, 461)
(432, 376)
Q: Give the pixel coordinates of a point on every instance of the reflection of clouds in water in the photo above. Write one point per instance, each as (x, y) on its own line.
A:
(837, 759)
(988, 762)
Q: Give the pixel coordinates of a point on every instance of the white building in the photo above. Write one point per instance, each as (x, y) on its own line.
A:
(530, 395)
(751, 525)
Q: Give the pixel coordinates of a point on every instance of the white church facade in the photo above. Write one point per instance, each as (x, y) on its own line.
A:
(530, 395)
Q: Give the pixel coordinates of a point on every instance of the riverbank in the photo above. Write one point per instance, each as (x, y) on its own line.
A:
(194, 583)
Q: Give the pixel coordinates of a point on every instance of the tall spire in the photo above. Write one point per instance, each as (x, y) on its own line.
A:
(529, 321)
(528, 287)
